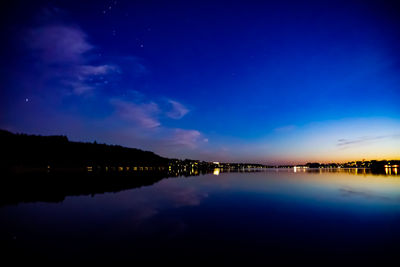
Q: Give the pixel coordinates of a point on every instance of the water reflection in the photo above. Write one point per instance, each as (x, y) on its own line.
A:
(391, 170)
(54, 187)
(269, 213)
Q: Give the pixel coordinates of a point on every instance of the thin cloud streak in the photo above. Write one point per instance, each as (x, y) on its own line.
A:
(363, 140)
(143, 115)
(178, 110)
(186, 138)
(64, 53)
(57, 44)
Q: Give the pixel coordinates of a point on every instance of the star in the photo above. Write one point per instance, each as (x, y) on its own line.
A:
(26, 99)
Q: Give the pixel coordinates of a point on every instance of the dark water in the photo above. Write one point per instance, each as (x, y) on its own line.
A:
(262, 217)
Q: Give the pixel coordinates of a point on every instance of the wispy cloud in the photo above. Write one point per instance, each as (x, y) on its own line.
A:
(143, 114)
(178, 110)
(58, 44)
(86, 70)
(186, 138)
(67, 65)
(64, 54)
(85, 78)
(344, 143)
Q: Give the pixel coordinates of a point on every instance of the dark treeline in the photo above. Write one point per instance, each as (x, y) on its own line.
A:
(21, 151)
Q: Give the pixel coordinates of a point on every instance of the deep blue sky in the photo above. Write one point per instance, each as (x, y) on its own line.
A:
(278, 81)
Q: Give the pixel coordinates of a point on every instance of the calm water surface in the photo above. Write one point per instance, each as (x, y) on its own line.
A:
(256, 217)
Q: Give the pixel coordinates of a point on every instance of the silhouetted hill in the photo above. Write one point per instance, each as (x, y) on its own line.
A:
(22, 151)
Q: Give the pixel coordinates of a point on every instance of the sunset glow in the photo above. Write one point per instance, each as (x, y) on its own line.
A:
(282, 86)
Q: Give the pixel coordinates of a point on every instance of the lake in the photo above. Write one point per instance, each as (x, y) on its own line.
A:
(274, 215)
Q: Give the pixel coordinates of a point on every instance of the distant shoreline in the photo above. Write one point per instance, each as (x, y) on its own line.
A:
(34, 153)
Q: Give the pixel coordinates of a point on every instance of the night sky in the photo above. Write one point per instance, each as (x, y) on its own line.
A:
(271, 82)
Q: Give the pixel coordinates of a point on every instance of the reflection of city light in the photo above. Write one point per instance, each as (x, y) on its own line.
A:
(294, 168)
(216, 171)
(395, 170)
